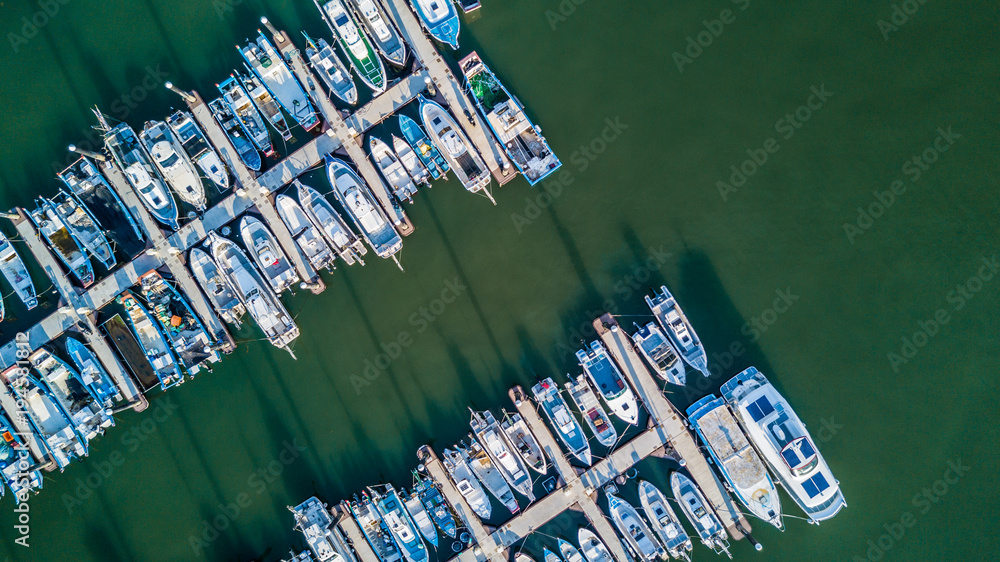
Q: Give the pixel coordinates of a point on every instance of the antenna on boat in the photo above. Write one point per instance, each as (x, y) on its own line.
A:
(399, 265)
(103, 123)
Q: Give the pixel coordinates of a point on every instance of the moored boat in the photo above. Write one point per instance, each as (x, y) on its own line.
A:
(634, 529)
(467, 484)
(594, 550)
(187, 335)
(784, 443)
(679, 329)
(63, 243)
(549, 556)
(331, 70)
(16, 274)
(81, 405)
(355, 43)
(46, 416)
(381, 31)
(665, 522)
(328, 221)
(567, 428)
(422, 147)
(398, 521)
(435, 504)
(392, 170)
(609, 382)
(408, 158)
(656, 348)
(265, 103)
(92, 373)
(197, 147)
(267, 64)
(141, 174)
(695, 507)
(420, 517)
(314, 521)
(240, 104)
(593, 413)
(487, 473)
(153, 341)
(520, 138)
(231, 126)
(16, 462)
(86, 181)
(83, 227)
(173, 163)
(457, 149)
(354, 196)
(569, 552)
(267, 254)
(219, 293)
(501, 452)
(307, 237)
(374, 529)
(520, 437)
(714, 423)
(440, 18)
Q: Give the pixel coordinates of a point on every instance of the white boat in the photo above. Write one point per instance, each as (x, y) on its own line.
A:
(221, 295)
(331, 226)
(265, 103)
(267, 254)
(313, 520)
(409, 159)
(695, 507)
(392, 170)
(609, 382)
(197, 147)
(665, 522)
(677, 327)
(63, 243)
(16, 274)
(46, 416)
(635, 530)
(785, 444)
(465, 481)
(77, 400)
(569, 552)
(307, 237)
(487, 473)
(353, 195)
(549, 556)
(267, 64)
(375, 531)
(594, 550)
(381, 30)
(661, 355)
(355, 43)
(187, 335)
(234, 131)
(173, 163)
(92, 374)
(457, 149)
(83, 227)
(520, 437)
(17, 464)
(420, 517)
(398, 521)
(440, 18)
(593, 413)
(140, 173)
(238, 100)
(255, 294)
(522, 557)
(712, 419)
(331, 69)
(567, 428)
(154, 342)
(501, 452)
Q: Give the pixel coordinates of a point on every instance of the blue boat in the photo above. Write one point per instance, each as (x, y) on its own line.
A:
(239, 103)
(85, 180)
(374, 529)
(435, 504)
(188, 337)
(440, 18)
(62, 241)
(425, 150)
(92, 373)
(231, 126)
(153, 341)
(399, 523)
(561, 417)
(354, 196)
(16, 462)
(85, 411)
(46, 416)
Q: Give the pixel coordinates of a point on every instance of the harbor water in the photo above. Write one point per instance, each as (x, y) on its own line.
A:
(815, 182)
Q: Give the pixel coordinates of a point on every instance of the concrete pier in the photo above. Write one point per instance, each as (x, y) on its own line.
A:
(352, 531)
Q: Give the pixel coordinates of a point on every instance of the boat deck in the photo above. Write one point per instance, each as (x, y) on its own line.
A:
(731, 447)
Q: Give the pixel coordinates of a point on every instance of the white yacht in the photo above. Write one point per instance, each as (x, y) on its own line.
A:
(381, 30)
(196, 144)
(314, 521)
(493, 440)
(594, 550)
(609, 382)
(82, 226)
(695, 507)
(355, 43)
(520, 437)
(665, 522)
(492, 479)
(409, 159)
(635, 530)
(661, 355)
(355, 198)
(557, 411)
(221, 295)
(593, 413)
(457, 149)
(331, 226)
(173, 163)
(392, 170)
(465, 481)
(331, 69)
(140, 173)
(678, 328)
(307, 237)
(268, 255)
(270, 67)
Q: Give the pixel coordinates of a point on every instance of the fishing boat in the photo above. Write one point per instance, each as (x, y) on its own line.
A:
(678, 328)
(355, 43)
(440, 19)
(609, 382)
(593, 413)
(549, 556)
(487, 473)
(467, 484)
(82, 227)
(520, 138)
(569, 552)
(265, 104)
(307, 237)
(197, 147)
(268, 65)
(331, 226)
(392, 170)
(141, 174)
(313, 520)
(420, 517)
(62, 242)
(46, 416)
(219, 293)
(331, 69)
(665, 522)
(85, 181)
(92, 373)
(239, 103)
(267, 254)
(81, 405)
(16, 462)
(187, 335)
(739, 464)
(378, 536)
(231, 126)
(523, 441)
(634, 529)
(457, 149)
(435, 504)
(173, 163)
(381, 31)
(661, 355)
(567, 428)
(784, 443)
(254, 293)
(398, 521)
(353, 195)
(413, 165)
(422, 147)
(594, 550)
(153, 341)
(695, 507)
(16, 274)
(501, 452)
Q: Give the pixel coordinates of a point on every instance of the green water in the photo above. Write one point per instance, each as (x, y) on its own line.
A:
(646, 210)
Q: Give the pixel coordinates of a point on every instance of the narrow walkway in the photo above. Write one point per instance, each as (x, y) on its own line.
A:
(353, 532)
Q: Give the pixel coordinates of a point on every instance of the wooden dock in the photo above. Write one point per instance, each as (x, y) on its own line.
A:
(350, 528)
